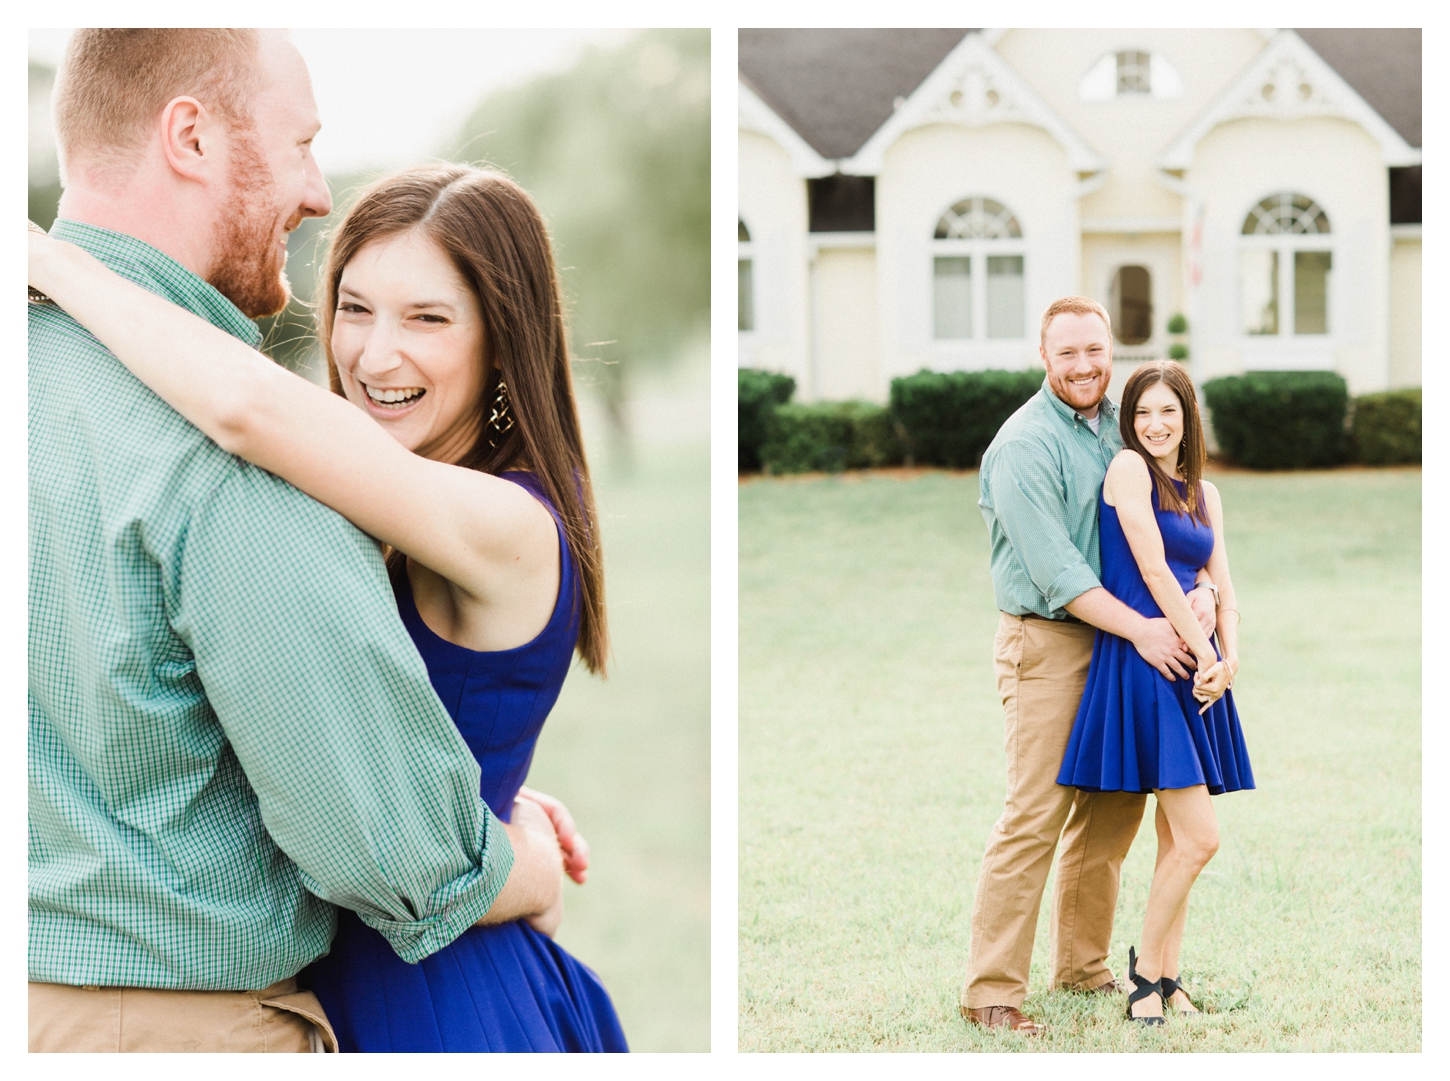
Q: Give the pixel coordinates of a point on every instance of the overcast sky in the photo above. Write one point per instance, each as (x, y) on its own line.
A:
(391, 97)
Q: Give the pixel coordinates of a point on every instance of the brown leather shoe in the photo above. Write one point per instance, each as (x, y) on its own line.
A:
(1112, 987)
(1003, 1016)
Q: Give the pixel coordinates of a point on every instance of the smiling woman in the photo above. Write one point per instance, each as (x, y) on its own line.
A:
(442, 306)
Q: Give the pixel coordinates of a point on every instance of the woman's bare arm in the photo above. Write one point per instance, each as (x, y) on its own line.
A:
(1228, 628)
(474, 529)
(1129, 487)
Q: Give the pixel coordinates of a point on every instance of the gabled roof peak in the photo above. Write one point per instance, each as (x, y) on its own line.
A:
(973, 87)
(1288, 80)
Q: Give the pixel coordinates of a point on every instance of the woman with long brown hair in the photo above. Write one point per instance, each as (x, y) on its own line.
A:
(452, 437)
(1160, 523)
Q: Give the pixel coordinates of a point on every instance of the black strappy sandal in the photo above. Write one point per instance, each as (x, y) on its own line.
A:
(1144, 988)
(1171, 987)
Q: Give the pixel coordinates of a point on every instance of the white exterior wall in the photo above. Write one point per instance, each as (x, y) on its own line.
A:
(773, 207)
(1338, 165)
(846, 342)
(1132, 130)
(926, 171)
(1405, 355)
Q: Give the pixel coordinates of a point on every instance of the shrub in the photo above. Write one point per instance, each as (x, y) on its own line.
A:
(1279, 420)
(949, 418)
(1178, 324)
(829, 437)
(1178, 351)
(757, 396)
(1386, 428)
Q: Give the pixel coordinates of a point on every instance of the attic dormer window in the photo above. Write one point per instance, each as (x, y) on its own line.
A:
(1135, 73)
(1130, 73)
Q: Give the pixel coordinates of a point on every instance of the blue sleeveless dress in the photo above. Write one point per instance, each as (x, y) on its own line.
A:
(1135, 731)
(499, 988)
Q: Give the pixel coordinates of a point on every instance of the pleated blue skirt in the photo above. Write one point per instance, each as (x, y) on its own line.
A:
(1136, 732)
(501, 988)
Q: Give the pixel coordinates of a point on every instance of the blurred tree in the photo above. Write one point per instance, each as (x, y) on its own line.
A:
(616, 151)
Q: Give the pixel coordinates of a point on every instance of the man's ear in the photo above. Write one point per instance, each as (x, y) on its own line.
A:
(188, 138)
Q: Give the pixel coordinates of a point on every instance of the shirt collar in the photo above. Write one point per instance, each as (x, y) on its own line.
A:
(1106, 409)
(161, 274)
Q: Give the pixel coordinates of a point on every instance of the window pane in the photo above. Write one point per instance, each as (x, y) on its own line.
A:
(747, 296)
(1132, 305)
(1134, 73)
(1006, 296)
(1259, 272)
(1311, 292)
(952, 297)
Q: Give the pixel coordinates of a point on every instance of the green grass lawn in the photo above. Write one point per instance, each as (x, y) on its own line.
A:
(872, 769)
(630, 754)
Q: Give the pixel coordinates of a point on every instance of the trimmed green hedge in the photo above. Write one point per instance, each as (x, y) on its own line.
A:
(758, 394)
(828, 437)
(1279, 420)
(949, 418)
(1386, 428)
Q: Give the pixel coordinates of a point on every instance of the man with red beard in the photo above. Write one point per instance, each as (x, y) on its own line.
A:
(1039, 481)
(230, 730)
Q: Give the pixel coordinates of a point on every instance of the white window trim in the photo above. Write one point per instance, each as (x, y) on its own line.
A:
(977, 249)
(1286, 244)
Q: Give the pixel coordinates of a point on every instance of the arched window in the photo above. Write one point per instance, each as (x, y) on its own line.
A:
(1130, 305)
(1284, 266)
(746, 310)
(978, 272)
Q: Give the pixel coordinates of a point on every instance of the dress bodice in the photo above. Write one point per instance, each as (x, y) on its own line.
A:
(499, 699)
(1187, 544)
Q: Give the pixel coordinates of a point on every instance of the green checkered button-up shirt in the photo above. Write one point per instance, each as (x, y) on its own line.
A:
(1040, 481)
(230, 730)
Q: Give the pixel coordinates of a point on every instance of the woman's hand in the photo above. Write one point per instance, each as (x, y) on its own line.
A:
(571, 842)
(1210, 681)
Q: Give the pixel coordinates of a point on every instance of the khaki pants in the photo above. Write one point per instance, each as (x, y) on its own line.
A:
(278, 1018)
(1041, 671)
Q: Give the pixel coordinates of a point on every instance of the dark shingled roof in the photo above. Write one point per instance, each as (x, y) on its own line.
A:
(1383, 65)
(836, 87)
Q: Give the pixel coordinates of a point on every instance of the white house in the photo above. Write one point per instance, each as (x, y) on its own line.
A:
(914, 198)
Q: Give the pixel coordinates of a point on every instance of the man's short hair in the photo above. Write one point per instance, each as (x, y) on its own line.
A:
(1077, 306)
(113, 84)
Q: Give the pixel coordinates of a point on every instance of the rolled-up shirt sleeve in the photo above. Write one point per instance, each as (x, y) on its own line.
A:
(1031, 509)
(361, 777)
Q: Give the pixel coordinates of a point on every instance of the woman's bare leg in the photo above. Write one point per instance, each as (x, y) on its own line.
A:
(1179, 999)
(1186, 822)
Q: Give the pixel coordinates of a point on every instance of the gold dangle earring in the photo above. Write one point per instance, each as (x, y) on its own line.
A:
(501, 418)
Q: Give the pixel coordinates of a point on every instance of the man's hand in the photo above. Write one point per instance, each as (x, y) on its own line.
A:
(1158, 644)
(1205, 608)
(571, 842)
(534, 890)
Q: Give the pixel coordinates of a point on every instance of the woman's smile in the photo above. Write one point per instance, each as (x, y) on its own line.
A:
(391, 401)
